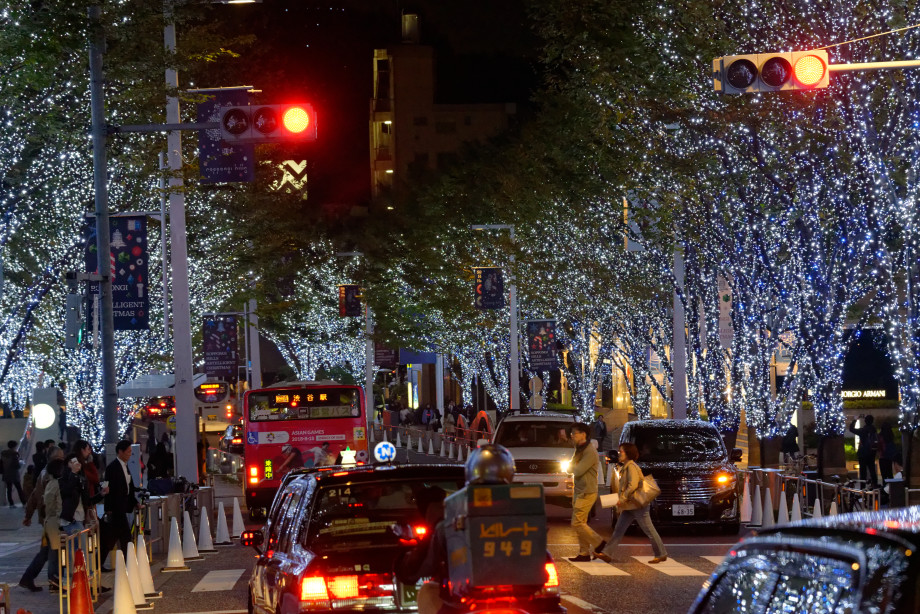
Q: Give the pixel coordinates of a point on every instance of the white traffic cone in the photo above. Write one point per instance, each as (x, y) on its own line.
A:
(469, 450)
(746, 508)
(767, 518)
(443, 449)
(408, 440)
(143, 566)
(238, 526)
(398, 440)
(431, 446)
(205, 544)
(833, 510)
(460, 454)
(371, 434)
(223, 534)
(450, 453)
(796, 514)
(189, 547)
(782, 516)
(385, 434)
(420, 449)
(756, 509)
(817, 511)
(174, 560)
(134, 579)
(123, 599)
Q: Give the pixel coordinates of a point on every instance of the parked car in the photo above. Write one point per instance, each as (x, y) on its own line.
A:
(693, 468)
(855, 563)
(232, 439)
(542, 448)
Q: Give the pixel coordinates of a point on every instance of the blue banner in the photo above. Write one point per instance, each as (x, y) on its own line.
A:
(128, 260)
(219, 161)
(220, 346)
(490, 289)
(411, 357)
(541, 341)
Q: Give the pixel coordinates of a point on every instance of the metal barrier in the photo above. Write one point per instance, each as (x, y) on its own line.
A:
(87, 540)
(464, 437)
(846, 497)
(6, 603)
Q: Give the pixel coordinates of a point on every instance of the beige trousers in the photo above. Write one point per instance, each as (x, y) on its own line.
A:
(588, 539)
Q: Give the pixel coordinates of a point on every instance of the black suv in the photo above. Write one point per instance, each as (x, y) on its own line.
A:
(693, 468)
(857, 563)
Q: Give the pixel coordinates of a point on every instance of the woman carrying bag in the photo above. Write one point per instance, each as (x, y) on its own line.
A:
(635, 495)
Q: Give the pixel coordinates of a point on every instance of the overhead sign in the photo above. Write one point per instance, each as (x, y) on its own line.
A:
(128, 262)
(220, 161)
(489, 288)
(221, 346)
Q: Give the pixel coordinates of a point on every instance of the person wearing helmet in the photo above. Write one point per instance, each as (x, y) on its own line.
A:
(489, 464)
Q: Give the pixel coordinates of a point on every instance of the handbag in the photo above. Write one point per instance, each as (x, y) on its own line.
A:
(647, 491)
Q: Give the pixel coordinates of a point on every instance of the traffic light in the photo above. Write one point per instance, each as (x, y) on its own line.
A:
(771, 72)
(73, 327)
(271, 123)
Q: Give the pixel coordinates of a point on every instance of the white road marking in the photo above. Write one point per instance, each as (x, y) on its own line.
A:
(670, 567)
(715, 560)
(669, 545)
(18, 547)
(218, 580)
(581, 603)
(599, 568)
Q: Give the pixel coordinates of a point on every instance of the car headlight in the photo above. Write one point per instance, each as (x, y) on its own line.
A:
(564, 466)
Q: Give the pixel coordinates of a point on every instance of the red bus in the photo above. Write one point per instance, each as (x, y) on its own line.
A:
(287, 426)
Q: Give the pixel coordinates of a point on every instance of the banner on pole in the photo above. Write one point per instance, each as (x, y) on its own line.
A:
(541, 339)
(490, 290)
(350, 301)
(219, 161)
(129, 263)
(385, 357)
(220, 346)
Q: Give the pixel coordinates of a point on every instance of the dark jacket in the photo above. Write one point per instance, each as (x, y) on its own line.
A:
(74, 491)
(868, 440)
(120, 499)
(10, 459)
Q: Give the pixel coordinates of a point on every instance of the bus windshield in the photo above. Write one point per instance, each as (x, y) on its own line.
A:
(304, 404)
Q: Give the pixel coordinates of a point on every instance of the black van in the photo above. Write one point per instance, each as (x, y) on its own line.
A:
(693, 468)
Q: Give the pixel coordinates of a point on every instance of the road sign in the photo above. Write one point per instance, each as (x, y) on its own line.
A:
(171, 422)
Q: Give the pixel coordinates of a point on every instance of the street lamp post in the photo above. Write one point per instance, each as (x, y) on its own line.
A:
(513, 375)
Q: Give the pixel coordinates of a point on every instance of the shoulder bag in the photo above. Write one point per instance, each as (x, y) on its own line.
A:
(647, 491)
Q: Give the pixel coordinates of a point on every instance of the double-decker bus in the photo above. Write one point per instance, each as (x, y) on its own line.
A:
(286, 427)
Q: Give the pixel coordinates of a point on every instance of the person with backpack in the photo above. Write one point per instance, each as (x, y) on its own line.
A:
(36, 502)
(868, 449)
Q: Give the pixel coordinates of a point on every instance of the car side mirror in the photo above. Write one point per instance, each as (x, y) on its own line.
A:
(737, 455)
(252, 538)
(481, 442)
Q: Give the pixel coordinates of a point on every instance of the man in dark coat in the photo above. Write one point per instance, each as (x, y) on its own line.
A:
(119, 501)
(868, 448)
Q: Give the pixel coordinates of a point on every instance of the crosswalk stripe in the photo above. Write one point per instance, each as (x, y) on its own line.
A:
(715, 560)
(218, 580)
(670, 567)
(600, 568)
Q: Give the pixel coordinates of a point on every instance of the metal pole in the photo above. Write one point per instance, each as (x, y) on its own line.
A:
(679, 349)
(369, 409)
(186, 431)
(246, 361)
(439, 386)
(103, 250)
(165, 246)
(865, 66)
(515, 356)
(253, 329)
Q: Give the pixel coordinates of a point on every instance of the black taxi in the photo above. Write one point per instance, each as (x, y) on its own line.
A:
(855, 563)
(332, 536)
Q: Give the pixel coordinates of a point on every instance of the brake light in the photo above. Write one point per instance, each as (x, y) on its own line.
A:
(313, 589)
(343, 587)
(552, 578)
(420, 530)
(253, 474)
(236, 440)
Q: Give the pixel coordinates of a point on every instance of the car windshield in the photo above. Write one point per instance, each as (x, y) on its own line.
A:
(672, 445)
(365, 511)
(548, 434)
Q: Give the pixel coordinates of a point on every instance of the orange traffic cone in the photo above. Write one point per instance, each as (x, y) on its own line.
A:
(80, 600)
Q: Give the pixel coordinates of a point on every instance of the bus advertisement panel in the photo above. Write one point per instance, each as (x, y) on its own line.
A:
(301, 425)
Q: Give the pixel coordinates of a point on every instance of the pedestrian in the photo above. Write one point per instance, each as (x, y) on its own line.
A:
(450, 426)
(166, 442)
(790, 444)
(120, 500)
(36, 503)
(868, 448)
(629, 510)
(11, 466)
(584, 468)
(886, 451)
(600, 431)
(84, 452)
(158, 464)
(76, 501)
(39, 458)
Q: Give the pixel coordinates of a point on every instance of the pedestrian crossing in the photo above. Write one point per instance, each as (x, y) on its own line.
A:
(670, 567)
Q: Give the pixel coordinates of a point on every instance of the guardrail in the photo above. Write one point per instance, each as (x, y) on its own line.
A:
(87, 540)
(836, 497)
(406, 433)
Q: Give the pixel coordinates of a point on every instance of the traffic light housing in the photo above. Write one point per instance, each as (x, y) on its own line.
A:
(268, 123)
(771, 72)
(73, 322)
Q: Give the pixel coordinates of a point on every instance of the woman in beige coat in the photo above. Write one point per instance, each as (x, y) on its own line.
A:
(630, 479)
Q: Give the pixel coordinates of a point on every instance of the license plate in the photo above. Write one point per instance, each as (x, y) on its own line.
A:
(682, 510)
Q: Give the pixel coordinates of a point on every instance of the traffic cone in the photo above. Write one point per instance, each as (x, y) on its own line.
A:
(767, 517)
(134, 579)
(443, 449)
(833, 510)
(746, 509)
(450, 453)
(205, 544)
(143, 566)
(408, 440)
(223, 534)
(817, 511)
(174, 560)
(124, 600)
(398, 440)
(81, 602)
(796, 514)
(431, 446)
(189, 547)
(238, 526)
(371, 434)
(420, 450)
(756, 509)
(783, 514)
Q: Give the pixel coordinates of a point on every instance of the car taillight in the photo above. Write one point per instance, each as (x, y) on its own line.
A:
(343, 587)
(370, 588)
(236, 440)
(253, 474)
(552, 578)
(313, 589)
(420, 530)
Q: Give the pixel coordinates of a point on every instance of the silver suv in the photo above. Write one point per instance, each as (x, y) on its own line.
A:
(542, 448)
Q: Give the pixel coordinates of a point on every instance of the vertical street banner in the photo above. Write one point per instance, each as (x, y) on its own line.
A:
(350, 301)
(219, 161)
(220, 346)
(541, 339)
(490, 288)
(129, 262)
(726, 330)
(385, 357)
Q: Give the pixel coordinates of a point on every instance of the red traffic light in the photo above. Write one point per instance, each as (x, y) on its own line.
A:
(810, 70)
(771, 72)
(272, 123)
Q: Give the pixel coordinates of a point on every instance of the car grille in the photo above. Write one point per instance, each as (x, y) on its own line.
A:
(537, 466)
(686, 491)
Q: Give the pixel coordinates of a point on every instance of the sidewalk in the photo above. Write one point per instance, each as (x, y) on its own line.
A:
(18, 544)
